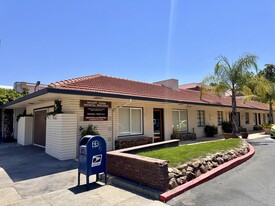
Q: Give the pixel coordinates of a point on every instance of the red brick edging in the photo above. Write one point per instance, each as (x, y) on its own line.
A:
(164, 197)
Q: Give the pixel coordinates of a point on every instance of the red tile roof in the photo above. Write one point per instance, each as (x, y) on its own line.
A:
(110, 85)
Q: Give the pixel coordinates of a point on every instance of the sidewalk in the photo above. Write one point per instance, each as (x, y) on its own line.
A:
(28, 176)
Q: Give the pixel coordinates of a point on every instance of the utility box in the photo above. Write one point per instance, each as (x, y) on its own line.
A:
(92, 157)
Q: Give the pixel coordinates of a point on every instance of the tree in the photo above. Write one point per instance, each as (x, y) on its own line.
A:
(7, 95)
(269, 73)
(261, 89)
(232, 77)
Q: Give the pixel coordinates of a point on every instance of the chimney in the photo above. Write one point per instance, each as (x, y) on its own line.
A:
(169, 83)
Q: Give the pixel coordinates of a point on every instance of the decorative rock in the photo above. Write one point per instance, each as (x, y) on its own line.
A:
(225, 158)
(215, 164)
(170, 169)
(203, 169)
(171, 175)
(208, 158)
(190, 176)
(189, 169)
(198, 173)
(183, 172)
(214, 158)
(196, 164)
(177, 172)
(173, 183)
(190, 164)
(220, 160)
(183, 167)
(181, 180)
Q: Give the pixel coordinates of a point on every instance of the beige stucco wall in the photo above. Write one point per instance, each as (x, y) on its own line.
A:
(109, 129)
(24, 134)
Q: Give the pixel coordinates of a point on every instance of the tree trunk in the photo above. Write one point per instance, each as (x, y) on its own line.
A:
(234, 114)
(270, 119)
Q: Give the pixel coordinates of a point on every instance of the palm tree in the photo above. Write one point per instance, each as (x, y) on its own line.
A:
(232, 78)
(261, 89)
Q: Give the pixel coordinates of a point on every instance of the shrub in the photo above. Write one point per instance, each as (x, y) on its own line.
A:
(227, 127)
(210, 130)
(266, 126)
(90, 130)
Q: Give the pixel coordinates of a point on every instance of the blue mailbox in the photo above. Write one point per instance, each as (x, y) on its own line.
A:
(92, 157)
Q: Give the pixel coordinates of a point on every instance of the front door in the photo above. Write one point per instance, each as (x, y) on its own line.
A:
(158, 125)
(40, 128)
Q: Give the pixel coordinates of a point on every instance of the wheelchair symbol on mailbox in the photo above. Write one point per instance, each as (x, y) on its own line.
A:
(96, 161)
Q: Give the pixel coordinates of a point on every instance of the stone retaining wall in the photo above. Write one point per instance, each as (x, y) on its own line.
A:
(189, 171)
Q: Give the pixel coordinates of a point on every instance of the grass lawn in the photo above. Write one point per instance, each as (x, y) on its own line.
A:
(182, 154)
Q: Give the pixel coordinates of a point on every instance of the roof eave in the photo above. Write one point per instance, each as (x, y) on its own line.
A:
(98, 94)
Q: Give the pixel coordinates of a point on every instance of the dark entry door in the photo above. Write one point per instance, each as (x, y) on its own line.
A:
(158, 125)
(40, 128)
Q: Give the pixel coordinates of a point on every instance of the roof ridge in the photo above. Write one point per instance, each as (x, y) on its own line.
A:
(77, 79)
(73, 80)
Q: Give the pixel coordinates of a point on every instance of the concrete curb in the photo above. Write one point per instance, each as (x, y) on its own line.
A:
(164, 197)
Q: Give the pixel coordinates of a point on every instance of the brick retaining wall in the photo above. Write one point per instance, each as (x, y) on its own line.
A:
(146, 171)
(132, 141)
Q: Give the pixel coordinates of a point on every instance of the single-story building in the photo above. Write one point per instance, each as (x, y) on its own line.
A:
(121, 108)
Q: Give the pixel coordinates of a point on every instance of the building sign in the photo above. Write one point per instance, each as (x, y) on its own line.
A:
(97, 104)
(95, 114)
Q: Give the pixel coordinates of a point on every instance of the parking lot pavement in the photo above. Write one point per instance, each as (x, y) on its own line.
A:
(28, 176)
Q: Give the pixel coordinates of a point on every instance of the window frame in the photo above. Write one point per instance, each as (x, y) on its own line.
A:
(131, 122)
(179, 111)
(246, 118)
(201, 118)
(219, 117)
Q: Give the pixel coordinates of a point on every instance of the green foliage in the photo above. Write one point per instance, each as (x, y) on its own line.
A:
(227, 127)
(210, 130)
(266, 126)
(8, 95)
(232, 77)
(268, 72)
(57, 108)
(24, 114)
(90, 130)
(186, 153)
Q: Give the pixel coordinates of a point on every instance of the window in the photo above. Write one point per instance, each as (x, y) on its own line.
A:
(179, 120)
(264, 119)
(130, 121)
(220, 117)
(201, 118)
(246, 118)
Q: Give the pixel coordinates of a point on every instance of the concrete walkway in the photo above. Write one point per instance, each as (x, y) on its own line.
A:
(28, 176)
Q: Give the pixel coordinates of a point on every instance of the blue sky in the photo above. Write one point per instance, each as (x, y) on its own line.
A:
(144, 40)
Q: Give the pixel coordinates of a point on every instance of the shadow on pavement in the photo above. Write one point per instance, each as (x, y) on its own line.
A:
(83, 188)
(27, 162)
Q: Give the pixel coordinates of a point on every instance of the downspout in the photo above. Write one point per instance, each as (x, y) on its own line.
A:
(113, 110)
